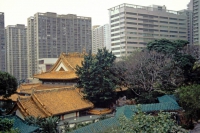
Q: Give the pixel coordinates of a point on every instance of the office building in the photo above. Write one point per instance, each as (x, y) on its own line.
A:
(50, 34)
(2, 44)
(16, 51)
(100, 37)
(133, 26)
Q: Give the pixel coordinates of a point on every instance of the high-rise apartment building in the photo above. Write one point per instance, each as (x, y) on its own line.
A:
(133, 26)
(190, 5)
(50, 34)
(17, 51)
(2, 44)
(100, 37)
(196, 21)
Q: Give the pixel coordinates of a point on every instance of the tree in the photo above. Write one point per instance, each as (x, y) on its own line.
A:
(148, 73)
(8, 84)
(6, 126)
(97, 78)
(181, 55)
(189, 100)
(146, 123)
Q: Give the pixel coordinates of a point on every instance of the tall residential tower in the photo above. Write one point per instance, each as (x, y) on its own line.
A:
(17, 51)
(133, 26)
(196, 21)
(100, 37)
(2, 44)
(50, 34)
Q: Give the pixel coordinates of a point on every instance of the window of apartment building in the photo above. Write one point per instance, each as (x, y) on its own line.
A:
(131, 28)
(173, 32)
(131, 37)
(181, 23)
(164, 17)
(172, 36)
(131, 23)
(172, 23)
(172, 27)
(131, 42)
(131, 18)
(163, 30)
(131, 13)
(182, 32)
(164, 22)
(173, 18)
(163, 26)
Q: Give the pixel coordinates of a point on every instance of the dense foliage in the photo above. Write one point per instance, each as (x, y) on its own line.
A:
(97, 78)
(181, 56)
(6, 126)
(8, 84)
(48, 125)
(190, 101)
(146, 123)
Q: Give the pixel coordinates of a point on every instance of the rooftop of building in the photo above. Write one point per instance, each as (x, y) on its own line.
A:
(44, 103)
(148, 8)
(64, 68)
(166, 103)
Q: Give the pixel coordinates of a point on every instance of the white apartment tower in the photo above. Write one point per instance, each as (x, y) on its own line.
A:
(100, 37)
(133, 26)
(16, 51)
(50, 34)
(2, 44)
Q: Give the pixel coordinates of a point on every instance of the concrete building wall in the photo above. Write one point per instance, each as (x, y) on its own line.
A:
(2, 44)
(17, 50)
(133, 26)
(54, 34)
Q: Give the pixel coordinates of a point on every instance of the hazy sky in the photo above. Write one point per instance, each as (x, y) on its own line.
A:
(17, 11)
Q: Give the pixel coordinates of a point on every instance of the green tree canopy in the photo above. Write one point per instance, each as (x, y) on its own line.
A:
(97, 78)
(6, 126)
(146, 123)
(182, 57)
(8, 84)
(189, 98)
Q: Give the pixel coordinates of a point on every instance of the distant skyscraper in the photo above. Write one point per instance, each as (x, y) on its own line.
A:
(100, 37)
(17, 51)
(50, 34)
(2, 44)
(196, 21)
(133, 26)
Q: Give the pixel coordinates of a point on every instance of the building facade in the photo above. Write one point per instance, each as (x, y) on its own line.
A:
(196, 21)
(16, 51)
(100, 37)
(133, 26)
(53, 34)
(2, 44)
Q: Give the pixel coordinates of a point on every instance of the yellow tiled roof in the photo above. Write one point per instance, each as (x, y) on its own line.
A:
(57, 75)
(70, 61)
(50, 102)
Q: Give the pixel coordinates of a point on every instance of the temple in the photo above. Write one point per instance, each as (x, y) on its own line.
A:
(56, 94)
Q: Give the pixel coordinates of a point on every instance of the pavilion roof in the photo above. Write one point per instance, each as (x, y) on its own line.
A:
(64, 68)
